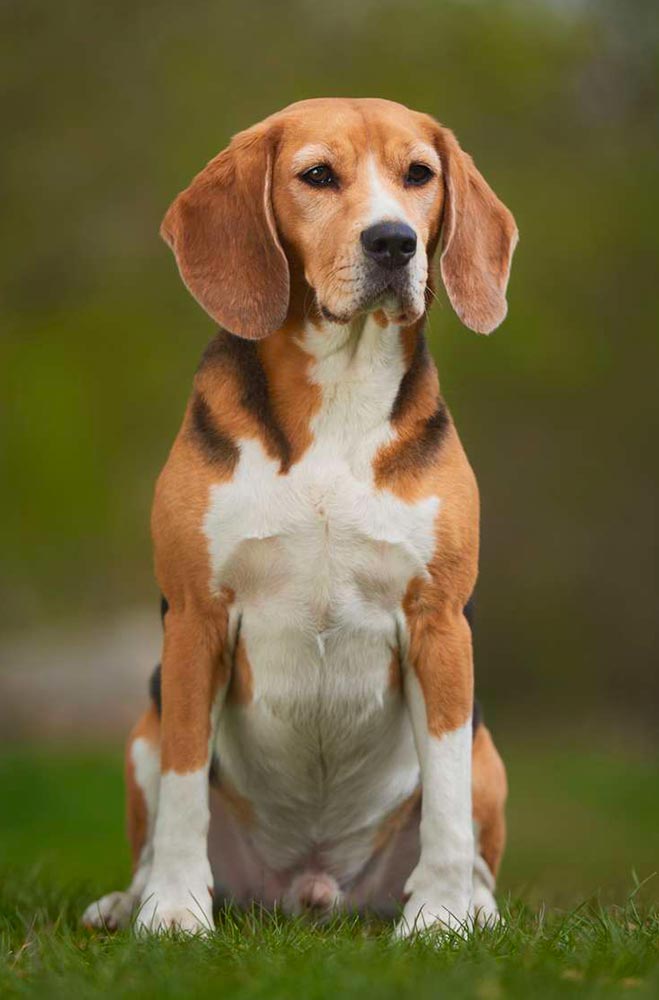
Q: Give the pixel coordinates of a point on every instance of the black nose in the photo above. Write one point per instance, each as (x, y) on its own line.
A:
(391, 244)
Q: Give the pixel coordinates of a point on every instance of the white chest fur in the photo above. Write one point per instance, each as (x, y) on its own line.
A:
(319, 560)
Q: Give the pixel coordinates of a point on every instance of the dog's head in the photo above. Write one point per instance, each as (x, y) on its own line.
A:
(348, 198)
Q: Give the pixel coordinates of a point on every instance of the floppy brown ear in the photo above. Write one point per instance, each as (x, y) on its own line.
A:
(479, 236)
(222, 231)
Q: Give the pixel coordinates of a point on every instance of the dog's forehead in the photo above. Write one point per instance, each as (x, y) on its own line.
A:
(355, 126)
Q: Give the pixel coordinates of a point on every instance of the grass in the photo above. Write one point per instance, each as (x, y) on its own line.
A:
(581, 824)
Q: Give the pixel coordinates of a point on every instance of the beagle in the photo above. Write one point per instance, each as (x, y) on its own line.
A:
(311, 742)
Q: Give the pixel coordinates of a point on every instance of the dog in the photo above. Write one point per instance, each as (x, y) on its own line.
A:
(311, 741)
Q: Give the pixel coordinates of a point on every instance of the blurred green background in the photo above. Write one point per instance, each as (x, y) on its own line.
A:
(109, 109)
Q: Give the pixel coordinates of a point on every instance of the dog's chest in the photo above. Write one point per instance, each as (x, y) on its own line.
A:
(318, 548)
(318, 560)
(319, 551)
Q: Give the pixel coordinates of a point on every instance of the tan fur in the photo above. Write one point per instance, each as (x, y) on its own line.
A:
(237, 804)
(396, 820)
(478, 239)
(222, 231)
(397, 466)
(489, 792)
(240, 687)
(148, 728)
(440, 638)
(194, 662)
(395, 672)
(295, 398)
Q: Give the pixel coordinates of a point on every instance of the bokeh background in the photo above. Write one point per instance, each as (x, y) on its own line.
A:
(107, 111)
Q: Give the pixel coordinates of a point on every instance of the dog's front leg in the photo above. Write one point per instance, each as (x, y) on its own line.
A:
(178, 893)
(439, 694)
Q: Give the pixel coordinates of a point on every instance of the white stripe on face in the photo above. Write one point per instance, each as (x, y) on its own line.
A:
(383, 206)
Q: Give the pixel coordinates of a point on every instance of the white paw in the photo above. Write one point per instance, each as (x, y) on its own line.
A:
(483, 904)
(429, 912)
(166, 908)
(110, 912)
(484, 908)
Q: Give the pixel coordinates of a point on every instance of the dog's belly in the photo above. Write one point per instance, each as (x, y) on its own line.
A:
(316, 735)
(322, 762)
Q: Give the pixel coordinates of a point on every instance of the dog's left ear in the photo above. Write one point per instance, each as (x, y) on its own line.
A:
(223, 234)
(478, 238)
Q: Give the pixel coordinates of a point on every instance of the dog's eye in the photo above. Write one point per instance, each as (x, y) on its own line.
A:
(319, 176)
(418, 174)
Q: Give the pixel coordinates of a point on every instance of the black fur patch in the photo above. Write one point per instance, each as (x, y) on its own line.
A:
(216, 445)
(409, 384)
(214, 771)
(414, 455)
(434, 430)
(155, 689)
(477, 711)
(242, 356)
(476, 717)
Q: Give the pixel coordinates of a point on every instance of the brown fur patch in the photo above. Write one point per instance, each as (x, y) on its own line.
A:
(235, 268)
(193, 668)
(295, 398)
(195, 627)
(421, 421)
(238, 804)
(479, 237)
(247, 390)
(417, 375)
(395, 673)
(137, 819)
(440, 638)
(240, 686)
(217, 446)
(489, 792)
(394, 822)
(440, 652)
(238, 387)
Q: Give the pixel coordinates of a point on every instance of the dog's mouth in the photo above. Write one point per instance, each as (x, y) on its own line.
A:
(386, 295)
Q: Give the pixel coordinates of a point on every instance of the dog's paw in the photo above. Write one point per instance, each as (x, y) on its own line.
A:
(165, 908)
(483, 904)
(429, 913)
(110, 912)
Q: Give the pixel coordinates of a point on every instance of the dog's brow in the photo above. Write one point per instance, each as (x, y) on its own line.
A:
(316, 152)
(422, 151)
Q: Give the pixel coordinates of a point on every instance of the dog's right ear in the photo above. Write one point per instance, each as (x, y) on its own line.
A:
(479, 237)
(223, 234)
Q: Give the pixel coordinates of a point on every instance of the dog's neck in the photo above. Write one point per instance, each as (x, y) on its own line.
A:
(317, 379)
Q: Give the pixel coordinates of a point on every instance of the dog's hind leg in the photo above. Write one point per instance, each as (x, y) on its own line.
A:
(489, 791)
(142, 785)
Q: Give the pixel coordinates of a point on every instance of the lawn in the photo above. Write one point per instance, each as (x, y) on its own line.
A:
(582, 837)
